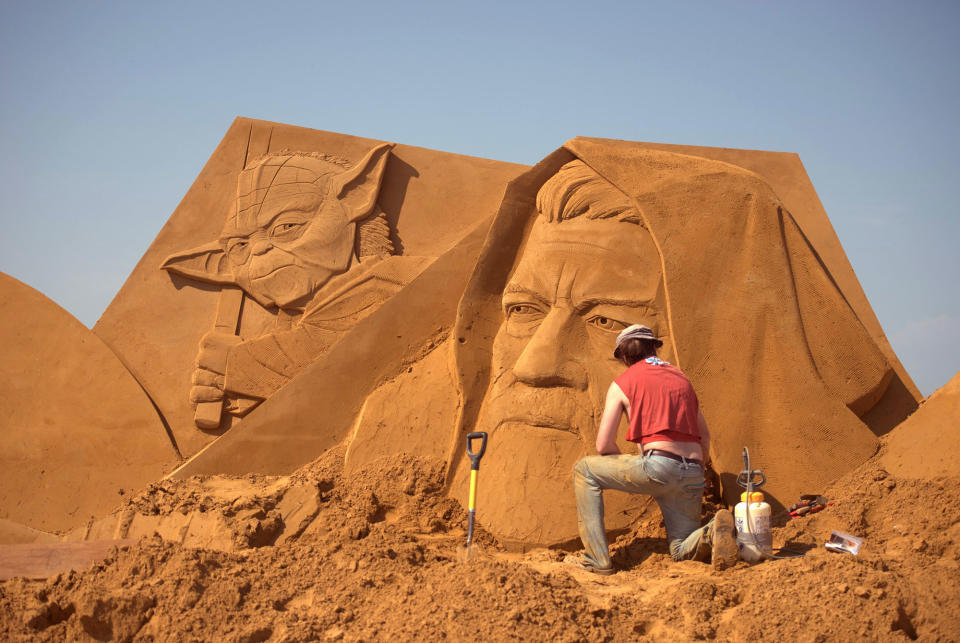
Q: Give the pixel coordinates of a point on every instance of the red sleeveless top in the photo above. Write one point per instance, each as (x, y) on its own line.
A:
(663, 404)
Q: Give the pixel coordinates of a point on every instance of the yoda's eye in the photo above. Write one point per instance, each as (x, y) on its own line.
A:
(606, 323)
(238, 251)
(284, 228)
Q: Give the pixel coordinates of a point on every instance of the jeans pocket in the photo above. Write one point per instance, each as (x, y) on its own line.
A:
(649, 470)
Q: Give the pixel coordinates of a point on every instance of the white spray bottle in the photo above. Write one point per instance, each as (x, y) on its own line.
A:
(752, 516)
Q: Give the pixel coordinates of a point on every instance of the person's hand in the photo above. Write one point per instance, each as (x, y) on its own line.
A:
(711, 488)
(208, 376)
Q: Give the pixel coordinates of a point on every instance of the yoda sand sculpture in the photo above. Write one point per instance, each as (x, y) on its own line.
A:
(307, 240)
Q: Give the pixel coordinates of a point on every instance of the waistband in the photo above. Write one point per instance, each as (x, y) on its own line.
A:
(672, 456)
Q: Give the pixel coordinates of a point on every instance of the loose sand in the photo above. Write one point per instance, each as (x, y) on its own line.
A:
(377, 558)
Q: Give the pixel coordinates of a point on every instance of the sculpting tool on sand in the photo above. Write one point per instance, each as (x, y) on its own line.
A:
(474, 470)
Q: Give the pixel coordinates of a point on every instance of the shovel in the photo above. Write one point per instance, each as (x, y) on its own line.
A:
(474, 468)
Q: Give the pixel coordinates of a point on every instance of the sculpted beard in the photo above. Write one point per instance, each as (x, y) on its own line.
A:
(536, 435)
(513, 405)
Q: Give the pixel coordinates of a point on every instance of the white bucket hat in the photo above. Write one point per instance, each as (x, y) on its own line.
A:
(636, 331)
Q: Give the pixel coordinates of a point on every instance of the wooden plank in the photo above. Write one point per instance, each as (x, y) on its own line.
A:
(42, 560)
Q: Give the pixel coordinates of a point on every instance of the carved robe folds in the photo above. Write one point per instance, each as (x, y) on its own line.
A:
(258, 367)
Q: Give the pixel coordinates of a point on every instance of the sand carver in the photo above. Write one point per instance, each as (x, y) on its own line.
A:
(674, 443)
(307, 241)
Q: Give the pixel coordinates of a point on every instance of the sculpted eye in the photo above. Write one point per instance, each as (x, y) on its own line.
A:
(522, 310)
(606, 323)
(237, 248)
(284, 228)
(523, 317)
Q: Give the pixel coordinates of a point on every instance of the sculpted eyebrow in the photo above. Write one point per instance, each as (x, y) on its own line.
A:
(586, 304)
(514, 289)
(306, 212)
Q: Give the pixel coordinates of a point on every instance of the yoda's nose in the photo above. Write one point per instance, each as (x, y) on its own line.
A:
(260, 246)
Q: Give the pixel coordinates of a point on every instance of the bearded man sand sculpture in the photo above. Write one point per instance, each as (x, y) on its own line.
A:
(604, 234)
(700, 251)
(307, 240)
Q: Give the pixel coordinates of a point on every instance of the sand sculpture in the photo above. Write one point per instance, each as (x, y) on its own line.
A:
(597, 237)
(928, 442)
(426, 201)
(76, 430)
(344, 292)
(307, 240)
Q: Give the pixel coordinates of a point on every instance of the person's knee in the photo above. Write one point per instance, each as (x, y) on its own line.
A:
(581, 468)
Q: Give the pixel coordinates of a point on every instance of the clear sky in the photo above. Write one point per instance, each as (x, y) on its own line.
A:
(108, 110)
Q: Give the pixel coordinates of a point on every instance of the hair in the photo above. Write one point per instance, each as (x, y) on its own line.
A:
(635, 349)
(373, 236)
(576, 190)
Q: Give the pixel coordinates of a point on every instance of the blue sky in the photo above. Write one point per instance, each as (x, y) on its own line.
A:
(109, 110)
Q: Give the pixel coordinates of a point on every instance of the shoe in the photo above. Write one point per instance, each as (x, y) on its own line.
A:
(723, 549)
(581, 562)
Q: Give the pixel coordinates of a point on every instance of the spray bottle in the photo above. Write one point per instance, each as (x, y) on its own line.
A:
(752, 516)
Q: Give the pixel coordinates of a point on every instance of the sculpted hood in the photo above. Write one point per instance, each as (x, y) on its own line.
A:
(779, 360)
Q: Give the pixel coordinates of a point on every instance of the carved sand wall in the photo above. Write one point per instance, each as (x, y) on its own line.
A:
(787, 177)
(76, 430)
(343, 223)
(929, 440)
(314, 289)
(707, 255)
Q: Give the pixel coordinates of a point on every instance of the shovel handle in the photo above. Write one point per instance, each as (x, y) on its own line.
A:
(475, 457)
(474, 468)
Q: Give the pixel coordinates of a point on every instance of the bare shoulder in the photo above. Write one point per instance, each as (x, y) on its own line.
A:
(615, 393)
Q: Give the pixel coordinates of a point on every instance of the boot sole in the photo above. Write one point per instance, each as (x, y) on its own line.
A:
(724, 552)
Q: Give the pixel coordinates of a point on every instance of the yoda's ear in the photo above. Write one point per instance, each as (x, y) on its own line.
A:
(358, 188)
(203, 263)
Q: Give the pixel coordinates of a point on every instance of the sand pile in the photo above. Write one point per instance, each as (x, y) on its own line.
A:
(928, 442)
(378, 559)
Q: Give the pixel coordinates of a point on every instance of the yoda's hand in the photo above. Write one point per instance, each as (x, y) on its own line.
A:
(208, 377)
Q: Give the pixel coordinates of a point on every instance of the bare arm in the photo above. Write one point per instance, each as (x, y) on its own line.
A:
(704, 437)
(613, 409)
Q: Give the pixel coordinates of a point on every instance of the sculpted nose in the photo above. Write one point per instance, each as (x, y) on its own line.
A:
(260, 246)
(551, 357)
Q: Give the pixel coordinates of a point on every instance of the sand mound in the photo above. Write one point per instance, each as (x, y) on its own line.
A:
(378, 559)
(76, 429)
(928, 442)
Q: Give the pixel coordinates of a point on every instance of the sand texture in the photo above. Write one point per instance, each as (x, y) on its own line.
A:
(76, 430)
(378, 558)
(928, 442)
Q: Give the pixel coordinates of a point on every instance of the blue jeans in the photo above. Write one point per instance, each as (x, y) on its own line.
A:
(676, 486)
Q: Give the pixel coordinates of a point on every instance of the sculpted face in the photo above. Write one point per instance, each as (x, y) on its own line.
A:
(293, 228)
(578, 283)
(290, 247)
